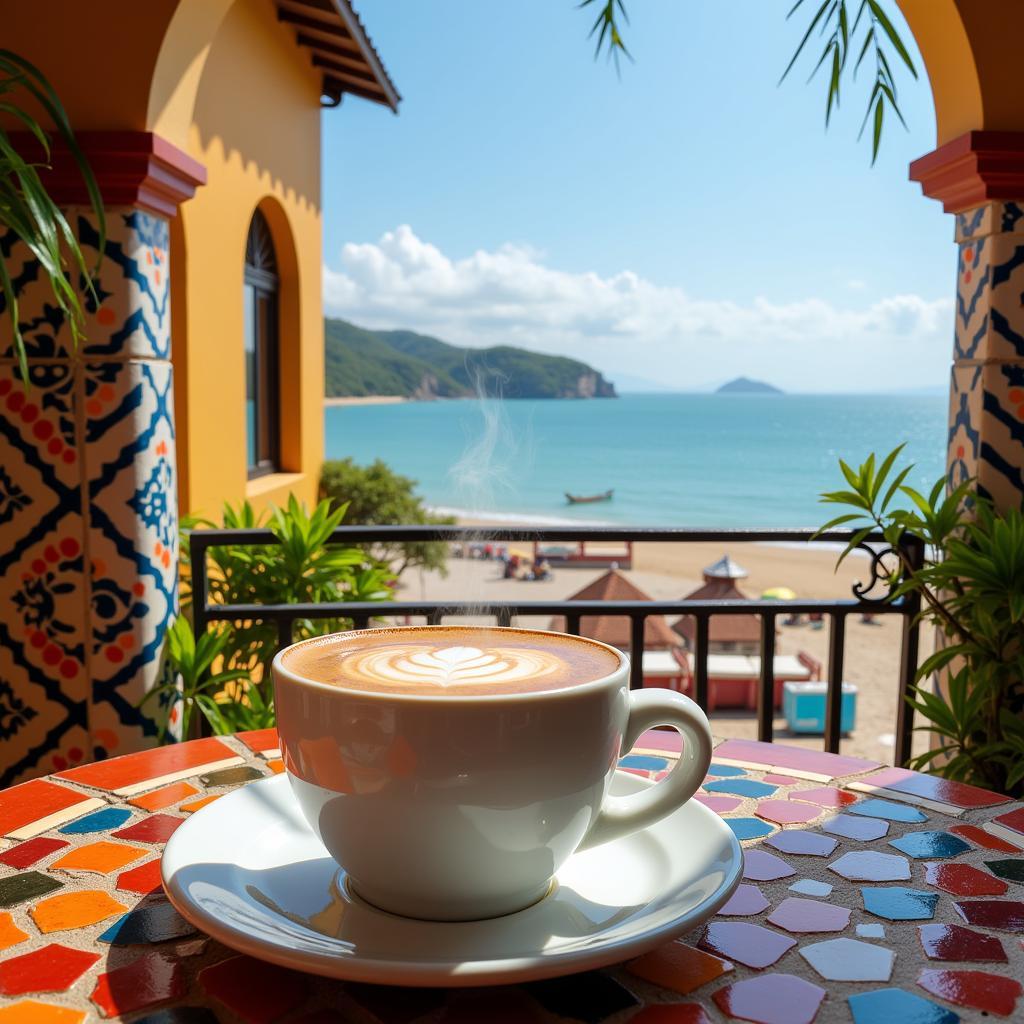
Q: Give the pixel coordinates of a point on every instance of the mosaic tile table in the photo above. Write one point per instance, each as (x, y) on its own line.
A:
(870, 894)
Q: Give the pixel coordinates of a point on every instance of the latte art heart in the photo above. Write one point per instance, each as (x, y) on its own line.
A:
(449, 666)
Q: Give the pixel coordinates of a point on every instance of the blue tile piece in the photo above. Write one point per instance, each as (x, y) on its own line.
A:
(930, 844)
(740, 787)
(723, 770)
(98, 821)
(644, 761)
(888, 810)
(886, 1005)
(849, 827)
(896, 903)
(156, 922)
(748, 828)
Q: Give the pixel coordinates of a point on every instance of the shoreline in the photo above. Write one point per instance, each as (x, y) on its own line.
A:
(338, 400)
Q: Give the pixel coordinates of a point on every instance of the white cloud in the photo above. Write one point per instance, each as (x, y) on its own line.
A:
(626, 325)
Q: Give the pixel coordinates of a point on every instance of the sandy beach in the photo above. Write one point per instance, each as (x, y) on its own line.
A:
(670, 571)
(366, 400)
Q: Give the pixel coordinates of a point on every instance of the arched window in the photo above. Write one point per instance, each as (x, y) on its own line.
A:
(261, 349)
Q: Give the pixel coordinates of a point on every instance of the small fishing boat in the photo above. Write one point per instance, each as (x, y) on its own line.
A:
(587, 499)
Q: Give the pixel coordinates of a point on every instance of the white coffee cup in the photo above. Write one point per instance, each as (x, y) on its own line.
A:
(460, 807)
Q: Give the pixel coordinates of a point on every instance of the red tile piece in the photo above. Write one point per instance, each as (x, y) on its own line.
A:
(801, 916)
(761, 866)
(1002, 915)
(671, 1013)
(955, 942)
(1013, 820)
(718, 804)
(748, 944)
(660, 739)
(934, 787)
(746, 901)
(775, 755)
(31, 801)
(25, 854)
(771, 999)
(144, 879)
(984, 839)
(54, 968)
(824, 796)
(157, 828)
(153, 978)
(258, 740)
(979, 990)
(963, 880)
(256, 991)
(785, 812)
(131, 769)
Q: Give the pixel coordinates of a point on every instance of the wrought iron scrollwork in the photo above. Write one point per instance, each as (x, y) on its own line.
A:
(884, 561)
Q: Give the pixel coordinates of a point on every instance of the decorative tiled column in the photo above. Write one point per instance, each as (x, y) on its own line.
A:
(980, 178)
(88, 510)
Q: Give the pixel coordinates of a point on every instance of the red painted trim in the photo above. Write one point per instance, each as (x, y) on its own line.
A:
(973, 169)
(138, 169)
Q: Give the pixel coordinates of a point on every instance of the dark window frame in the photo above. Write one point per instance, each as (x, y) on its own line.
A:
(261, 276)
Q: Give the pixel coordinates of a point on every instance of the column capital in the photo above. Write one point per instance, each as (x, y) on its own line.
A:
(139, 169)
(975, 168)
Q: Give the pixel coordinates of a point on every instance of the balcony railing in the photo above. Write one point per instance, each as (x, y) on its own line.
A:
(868, 596)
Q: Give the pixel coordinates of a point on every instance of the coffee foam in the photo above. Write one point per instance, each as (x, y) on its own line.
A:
(450, 660)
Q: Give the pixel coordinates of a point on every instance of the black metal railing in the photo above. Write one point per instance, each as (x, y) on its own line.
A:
(870, 595)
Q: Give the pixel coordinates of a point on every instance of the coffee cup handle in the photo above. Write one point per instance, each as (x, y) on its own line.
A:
(621, 815)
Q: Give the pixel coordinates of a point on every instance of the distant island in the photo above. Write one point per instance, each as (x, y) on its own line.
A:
(746, 386)
(362, 363)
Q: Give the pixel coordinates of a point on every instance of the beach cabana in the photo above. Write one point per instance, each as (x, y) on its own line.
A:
(727, 634)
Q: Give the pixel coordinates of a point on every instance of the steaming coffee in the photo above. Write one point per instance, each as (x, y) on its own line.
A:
(451, 660)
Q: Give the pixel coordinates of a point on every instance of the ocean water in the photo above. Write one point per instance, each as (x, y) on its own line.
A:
(673, 460)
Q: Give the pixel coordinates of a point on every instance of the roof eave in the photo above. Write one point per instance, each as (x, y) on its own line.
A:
(355, 29)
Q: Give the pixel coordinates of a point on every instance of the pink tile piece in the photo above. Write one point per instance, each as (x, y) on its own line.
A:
(955, 942)
(801, 916)
(719, 804)
(798, 841)
(775, 755)
(1001, 915)
(824, 796)
(661, 739)
(746, 901)
(933, 787)
(779, 780)
(761, 866)
(963, 880)
(771, 999)
(748, 944)
(850, 827)
(979, 990)
(1013, 820)
(785, 812)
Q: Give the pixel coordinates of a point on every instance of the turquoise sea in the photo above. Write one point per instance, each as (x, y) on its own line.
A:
(673, 460)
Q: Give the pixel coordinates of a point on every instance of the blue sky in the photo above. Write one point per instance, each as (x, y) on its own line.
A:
(678, 225)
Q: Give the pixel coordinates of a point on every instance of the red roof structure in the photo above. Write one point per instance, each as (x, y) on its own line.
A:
(720, 585)
(614, 629)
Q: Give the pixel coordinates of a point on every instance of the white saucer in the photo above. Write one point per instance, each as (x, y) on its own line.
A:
(248, 870)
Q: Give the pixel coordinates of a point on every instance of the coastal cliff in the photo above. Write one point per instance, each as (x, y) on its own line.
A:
(361, 362)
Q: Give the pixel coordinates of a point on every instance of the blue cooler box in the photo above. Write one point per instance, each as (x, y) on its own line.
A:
(803, 705)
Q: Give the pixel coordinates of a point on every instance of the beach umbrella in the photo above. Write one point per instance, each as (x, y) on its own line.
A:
(779, 594)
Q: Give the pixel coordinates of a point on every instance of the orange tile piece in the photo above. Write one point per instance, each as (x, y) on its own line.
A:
(31, 801)
(196, 804)
(276, 766)
(74, 910)
(132, 769)
(164, 797)
(143, 879)
(31, 1011)
(679, 967)
(260, 739)
(101, 857)
(10, 933)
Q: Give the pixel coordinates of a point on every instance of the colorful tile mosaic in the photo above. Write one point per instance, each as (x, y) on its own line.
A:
(785, 812)
(771, 999)
(889, 1004)
(984, 839)
(740, 787)
(806, 844)
(1001, 915)
(52, 968)
(260, 740)
(888, 811)
(143, 879)
(862, 829)
(963, 880)
(157, 828)
(31, 851)
(100, 858)
(718, 804)
(153, 922)
(98, 821)
(748, 944)
(800, 762)
(746, 901)
(760, 866)
(1013, 820)
(801, 916)
(871, 866)
(749, 828)
(929, 787)
(977, 990)
(74, 910)
(955, 942)
(920, 845)
(824, 796)
(148, 981)
(849, 960)
(36, 806)
(679, 968)
(899, 904)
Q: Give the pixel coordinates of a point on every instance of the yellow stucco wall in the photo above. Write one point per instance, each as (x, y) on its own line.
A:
(255, 125)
